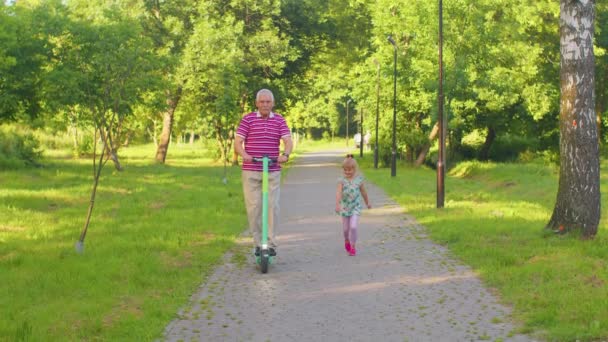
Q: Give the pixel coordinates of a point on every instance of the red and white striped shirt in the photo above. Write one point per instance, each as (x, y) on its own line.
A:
(262, 137)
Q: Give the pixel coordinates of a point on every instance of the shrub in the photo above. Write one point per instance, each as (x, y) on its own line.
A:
(18, 148)
(546, 157)
(508, 147)
(53, 140)
(85, 146)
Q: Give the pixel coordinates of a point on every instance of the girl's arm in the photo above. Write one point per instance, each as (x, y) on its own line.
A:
(338, 197)
(364, 194)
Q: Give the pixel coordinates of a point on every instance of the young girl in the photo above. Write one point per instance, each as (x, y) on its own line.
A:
(348, 202)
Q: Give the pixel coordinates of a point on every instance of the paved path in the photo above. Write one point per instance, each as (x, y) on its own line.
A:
(400, 286)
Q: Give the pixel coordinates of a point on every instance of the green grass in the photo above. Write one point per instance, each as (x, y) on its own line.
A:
(307, 145)
(156, 232)
(493, 220)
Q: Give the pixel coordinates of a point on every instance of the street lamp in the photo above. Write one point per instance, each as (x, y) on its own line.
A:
(347, 102)
(440, 118)
(361, 137)
(394, 152)
(377, 110)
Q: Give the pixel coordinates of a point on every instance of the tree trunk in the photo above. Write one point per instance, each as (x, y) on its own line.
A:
(222, 141)
(409, 153)
(96, 174)
(108, 147)
(191, 137)
(578, 197)
(165, 136)
(484, 154)
(427, 146)
(154, 130)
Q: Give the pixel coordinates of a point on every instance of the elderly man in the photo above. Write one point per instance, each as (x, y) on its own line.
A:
(260, 133)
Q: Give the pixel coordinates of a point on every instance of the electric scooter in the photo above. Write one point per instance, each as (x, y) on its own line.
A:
(264, 259)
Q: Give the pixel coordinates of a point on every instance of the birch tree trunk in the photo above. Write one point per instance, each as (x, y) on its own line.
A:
(191, 141)
(578, 198)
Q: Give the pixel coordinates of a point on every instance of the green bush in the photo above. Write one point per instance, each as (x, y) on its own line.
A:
(85, 146)
(53, 140)
(547, 157)
(18, 148)
(508, 147)
(60, 140)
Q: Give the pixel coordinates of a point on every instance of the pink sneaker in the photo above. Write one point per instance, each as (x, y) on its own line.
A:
(352, 251)
(347, 246)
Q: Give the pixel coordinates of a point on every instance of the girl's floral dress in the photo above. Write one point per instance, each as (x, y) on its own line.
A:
(351, 196)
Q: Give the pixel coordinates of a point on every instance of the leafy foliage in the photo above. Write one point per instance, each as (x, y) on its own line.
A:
(18, 148)
(501, 65)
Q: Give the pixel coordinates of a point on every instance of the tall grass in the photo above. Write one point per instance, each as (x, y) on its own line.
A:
(156, 230)
(493, 220)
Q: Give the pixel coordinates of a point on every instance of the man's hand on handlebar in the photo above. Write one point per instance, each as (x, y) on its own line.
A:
(246, 157)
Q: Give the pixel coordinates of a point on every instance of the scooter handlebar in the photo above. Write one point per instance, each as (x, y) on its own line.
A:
(260, 160)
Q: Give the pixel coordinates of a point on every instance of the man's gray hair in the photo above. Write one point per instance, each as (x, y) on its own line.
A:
(264, 92)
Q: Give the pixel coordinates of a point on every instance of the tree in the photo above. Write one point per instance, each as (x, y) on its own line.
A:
(234, 50)
(169, 24)
(102, 68)
(331, 37)
(212, 70)
(578, 197)
(23, 53)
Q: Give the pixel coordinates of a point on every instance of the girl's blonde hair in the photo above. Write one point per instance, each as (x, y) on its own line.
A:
(350, 162)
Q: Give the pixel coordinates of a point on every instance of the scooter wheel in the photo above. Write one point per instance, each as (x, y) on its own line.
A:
(264, 261)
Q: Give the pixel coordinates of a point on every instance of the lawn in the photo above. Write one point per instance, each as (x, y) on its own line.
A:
(158, 230)
(155, 234)
(493, 220)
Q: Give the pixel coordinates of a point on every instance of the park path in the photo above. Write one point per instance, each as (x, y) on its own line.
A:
(400, 286)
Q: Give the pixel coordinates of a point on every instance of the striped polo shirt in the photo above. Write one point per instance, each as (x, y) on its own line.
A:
(262, 137)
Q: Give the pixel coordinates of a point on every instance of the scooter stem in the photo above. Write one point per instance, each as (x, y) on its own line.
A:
(264, 241)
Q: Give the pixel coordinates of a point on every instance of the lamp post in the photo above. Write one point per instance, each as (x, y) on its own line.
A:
(440, 118)
(361, 137)
(377, 110)
(394, 152)
(347, 102)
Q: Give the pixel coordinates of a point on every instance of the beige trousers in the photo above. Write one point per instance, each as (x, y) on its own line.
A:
(252, 190)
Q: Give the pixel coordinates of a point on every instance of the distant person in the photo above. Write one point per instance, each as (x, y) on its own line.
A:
(366, 140)
(348, 202)
(259, 134)
(357, 139)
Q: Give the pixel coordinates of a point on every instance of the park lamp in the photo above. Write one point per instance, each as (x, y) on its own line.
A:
(377, 110)
(441, 118)
(347, 102)
(394, 147)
